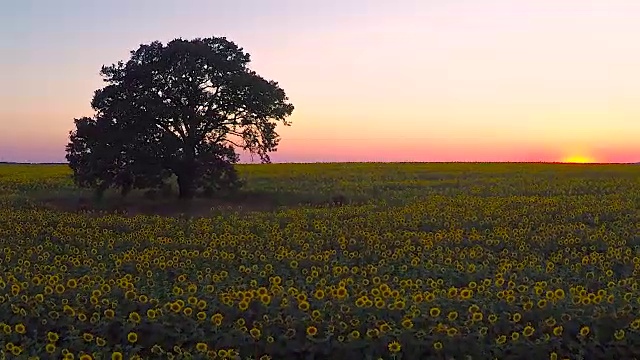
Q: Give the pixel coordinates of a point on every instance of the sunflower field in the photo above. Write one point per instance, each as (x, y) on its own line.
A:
(422, 261)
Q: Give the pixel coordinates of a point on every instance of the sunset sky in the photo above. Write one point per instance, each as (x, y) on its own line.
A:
(376, 80)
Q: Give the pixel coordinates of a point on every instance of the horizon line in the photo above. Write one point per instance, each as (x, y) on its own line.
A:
(377, 162)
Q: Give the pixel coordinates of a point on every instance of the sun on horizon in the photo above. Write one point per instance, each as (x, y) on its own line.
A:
(578, 159)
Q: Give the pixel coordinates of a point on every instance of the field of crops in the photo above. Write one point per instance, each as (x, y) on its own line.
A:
(450, 261)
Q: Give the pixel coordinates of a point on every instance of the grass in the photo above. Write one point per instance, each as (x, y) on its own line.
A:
(422, 261)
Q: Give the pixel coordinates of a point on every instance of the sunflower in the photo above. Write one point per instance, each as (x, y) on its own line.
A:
(52, 337)
(341, 292)
(151, 314)
(312, 330)
(373, 333)
(304, 306)
(466, 294)
(135, 317)
(132, 337)
(319, 294)
(477, 316)
(255, 333)
(550, 321)
(528, 331)
(434, 312)
(516, 317)
(394, 347)
(584, 331)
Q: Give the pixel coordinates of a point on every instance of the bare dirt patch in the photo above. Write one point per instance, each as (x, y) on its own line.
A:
(174, 207)
(138, 204)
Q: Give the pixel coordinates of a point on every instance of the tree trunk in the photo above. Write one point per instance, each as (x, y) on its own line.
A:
(100, 190)
(187, 172)
(185, 186)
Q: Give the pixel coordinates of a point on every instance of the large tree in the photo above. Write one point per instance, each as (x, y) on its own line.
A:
(177, 109)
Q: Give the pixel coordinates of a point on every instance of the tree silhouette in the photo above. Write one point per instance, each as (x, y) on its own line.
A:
(177, 109)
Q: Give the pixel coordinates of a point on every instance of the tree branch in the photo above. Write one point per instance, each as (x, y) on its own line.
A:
(234, 144)
(166, 128)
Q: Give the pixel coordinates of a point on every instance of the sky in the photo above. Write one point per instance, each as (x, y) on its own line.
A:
(376, 80)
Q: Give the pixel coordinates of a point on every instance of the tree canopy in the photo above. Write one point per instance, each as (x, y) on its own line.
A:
(180, 109)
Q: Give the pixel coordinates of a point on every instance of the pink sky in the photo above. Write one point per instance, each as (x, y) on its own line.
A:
(496, 80)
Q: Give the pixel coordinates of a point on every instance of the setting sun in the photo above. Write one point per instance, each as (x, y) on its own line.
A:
(578, 159)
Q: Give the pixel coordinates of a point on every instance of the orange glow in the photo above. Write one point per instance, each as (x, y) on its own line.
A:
(578, 159)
